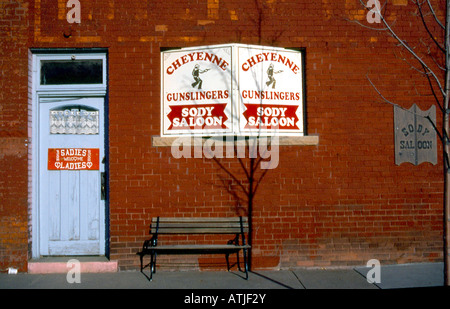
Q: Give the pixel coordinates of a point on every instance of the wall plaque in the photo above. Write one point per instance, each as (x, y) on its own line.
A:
(232, 89)
(415, 137)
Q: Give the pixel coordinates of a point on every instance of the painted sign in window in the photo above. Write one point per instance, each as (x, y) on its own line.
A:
(232, 90)
(73, 158)
(270, 90)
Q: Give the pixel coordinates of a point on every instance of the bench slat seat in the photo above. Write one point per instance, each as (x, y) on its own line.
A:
(237, 226)
(199, 247)
(194, 230)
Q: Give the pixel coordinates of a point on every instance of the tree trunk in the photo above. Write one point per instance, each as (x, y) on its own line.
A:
(250, 211)
(446, 145)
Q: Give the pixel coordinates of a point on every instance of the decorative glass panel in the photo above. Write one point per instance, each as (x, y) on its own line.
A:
(72, 72)
(74, 121)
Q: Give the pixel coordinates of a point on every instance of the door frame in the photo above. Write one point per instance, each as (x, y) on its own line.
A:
(37, 92)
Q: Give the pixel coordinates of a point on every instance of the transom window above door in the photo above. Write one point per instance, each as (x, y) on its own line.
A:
(70, 71)
(77, 72)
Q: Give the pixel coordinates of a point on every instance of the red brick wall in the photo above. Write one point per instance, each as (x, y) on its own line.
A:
(342, 202)
(13, 134)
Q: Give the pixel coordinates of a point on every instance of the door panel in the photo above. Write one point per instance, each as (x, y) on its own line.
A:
(72, 213)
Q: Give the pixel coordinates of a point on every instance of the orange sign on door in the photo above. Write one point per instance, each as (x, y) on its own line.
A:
(73, 159)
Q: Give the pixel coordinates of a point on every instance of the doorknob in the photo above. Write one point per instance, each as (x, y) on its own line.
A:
(103, 185)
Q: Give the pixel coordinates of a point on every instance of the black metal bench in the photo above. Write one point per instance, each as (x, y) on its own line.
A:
(236, 226)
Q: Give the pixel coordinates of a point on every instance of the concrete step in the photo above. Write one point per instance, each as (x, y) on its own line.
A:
(56, 265)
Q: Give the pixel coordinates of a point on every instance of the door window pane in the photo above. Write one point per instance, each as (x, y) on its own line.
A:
(67, 72)
(74, 121)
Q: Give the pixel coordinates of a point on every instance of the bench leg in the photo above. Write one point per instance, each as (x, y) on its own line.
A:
(227, 255)
(238, 262)
(152, 265)
(245, 263)
(141, 255)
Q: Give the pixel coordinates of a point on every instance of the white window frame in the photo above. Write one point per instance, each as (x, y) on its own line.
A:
(236, 101)
(38, 58)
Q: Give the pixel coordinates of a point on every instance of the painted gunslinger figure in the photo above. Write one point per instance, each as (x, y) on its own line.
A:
(270, 73)
(196, 74)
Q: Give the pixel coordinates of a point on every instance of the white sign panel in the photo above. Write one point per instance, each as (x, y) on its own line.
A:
(270, 90)
(197, 91)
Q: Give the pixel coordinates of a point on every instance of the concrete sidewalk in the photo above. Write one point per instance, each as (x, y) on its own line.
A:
(392, 277)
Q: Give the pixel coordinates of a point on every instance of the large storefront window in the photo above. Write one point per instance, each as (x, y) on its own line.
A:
(235, 89)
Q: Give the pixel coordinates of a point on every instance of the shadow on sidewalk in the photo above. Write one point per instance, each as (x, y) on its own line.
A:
(273, 280)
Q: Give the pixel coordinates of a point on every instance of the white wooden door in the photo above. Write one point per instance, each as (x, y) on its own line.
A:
(71, 167)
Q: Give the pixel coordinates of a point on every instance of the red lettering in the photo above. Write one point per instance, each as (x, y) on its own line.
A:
(176, 64)
(274, 57)
(196, 56)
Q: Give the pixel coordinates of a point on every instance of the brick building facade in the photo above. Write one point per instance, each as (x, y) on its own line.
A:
(339, 202)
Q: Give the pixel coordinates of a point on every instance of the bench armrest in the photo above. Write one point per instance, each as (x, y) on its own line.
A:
(150, 242)
(234, 241)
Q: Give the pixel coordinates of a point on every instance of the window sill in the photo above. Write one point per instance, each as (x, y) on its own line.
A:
(309, 140)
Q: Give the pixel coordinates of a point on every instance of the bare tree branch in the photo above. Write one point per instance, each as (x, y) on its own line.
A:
(259, 180)
(407, 62)
(444, 107)
(429, 54)
(362, 25)
(441, 136)
(244, 168)
(381, 95)
(231, 175)
(228, 186)
(434, 93)
(419, 6)
(408, 48)
(434, 14)
(437, 64)
(427, 74)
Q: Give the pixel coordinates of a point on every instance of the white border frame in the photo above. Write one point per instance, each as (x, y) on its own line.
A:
(39, 91)
(233, 117)
(235, 95)
(240, 103)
